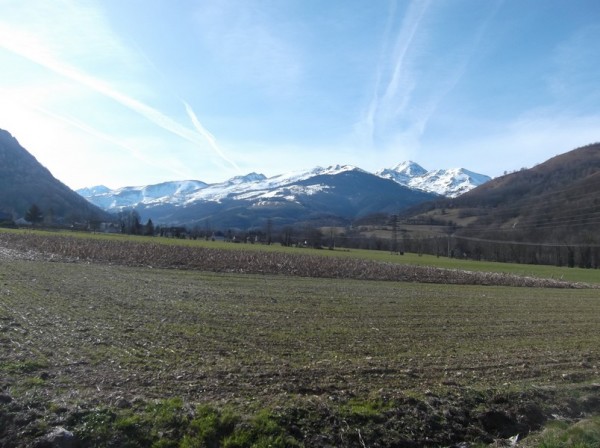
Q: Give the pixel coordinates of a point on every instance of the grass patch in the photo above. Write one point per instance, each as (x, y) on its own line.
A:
(358, 409)
(168, 424)
(25, 366)
(560, 434)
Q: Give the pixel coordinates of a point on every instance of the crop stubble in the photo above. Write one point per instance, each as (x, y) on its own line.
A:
(103, 331)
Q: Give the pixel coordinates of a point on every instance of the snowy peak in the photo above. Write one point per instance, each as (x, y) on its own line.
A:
(446, 182)
(175, 188)
(451, 182)
(174, 191)
(403, 172)
(317, 171)
(409, 168)
(255, 186)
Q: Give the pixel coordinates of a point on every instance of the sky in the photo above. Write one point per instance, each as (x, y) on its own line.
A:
(137, 92)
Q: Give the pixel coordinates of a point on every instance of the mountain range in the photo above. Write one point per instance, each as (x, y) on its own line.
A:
(548, 213)
(334, 194)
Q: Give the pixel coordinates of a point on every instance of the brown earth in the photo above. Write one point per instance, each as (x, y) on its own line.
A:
(340, 362)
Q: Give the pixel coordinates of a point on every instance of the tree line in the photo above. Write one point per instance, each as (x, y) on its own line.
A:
(581, 249)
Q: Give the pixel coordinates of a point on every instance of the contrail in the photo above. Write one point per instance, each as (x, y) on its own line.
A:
(24, 46)
(455, 70)
(369, 117)
(394, 81)
(207, 135)
(405, 38)
(191, 114)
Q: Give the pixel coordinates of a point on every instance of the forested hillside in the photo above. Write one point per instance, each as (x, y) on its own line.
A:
(546, 214)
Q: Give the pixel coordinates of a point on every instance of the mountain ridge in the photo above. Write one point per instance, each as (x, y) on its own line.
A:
(25, 182)
(338, 193)
(448, 182)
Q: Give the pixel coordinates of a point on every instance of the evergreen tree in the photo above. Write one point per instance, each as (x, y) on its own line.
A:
(149, 230)
(34, 214)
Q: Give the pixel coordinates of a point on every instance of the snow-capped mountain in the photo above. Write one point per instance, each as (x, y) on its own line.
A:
(403, 172)
(446, 182)
(258, 187)
(452, 182)
(175, 192)
(93, 191)
(252, 186)
(340, 191)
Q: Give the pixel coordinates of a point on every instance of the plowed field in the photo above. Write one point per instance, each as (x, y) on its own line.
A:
(78, 337)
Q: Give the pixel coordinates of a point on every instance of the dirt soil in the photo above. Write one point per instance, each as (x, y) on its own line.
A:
(340, 362)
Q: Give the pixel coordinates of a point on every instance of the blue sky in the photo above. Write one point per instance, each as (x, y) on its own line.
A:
(137, 92)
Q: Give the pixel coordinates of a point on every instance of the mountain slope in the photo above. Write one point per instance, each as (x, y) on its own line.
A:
(555, 205)
(24, 182)
(547, 214)
(563, 172)
(557, 200)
